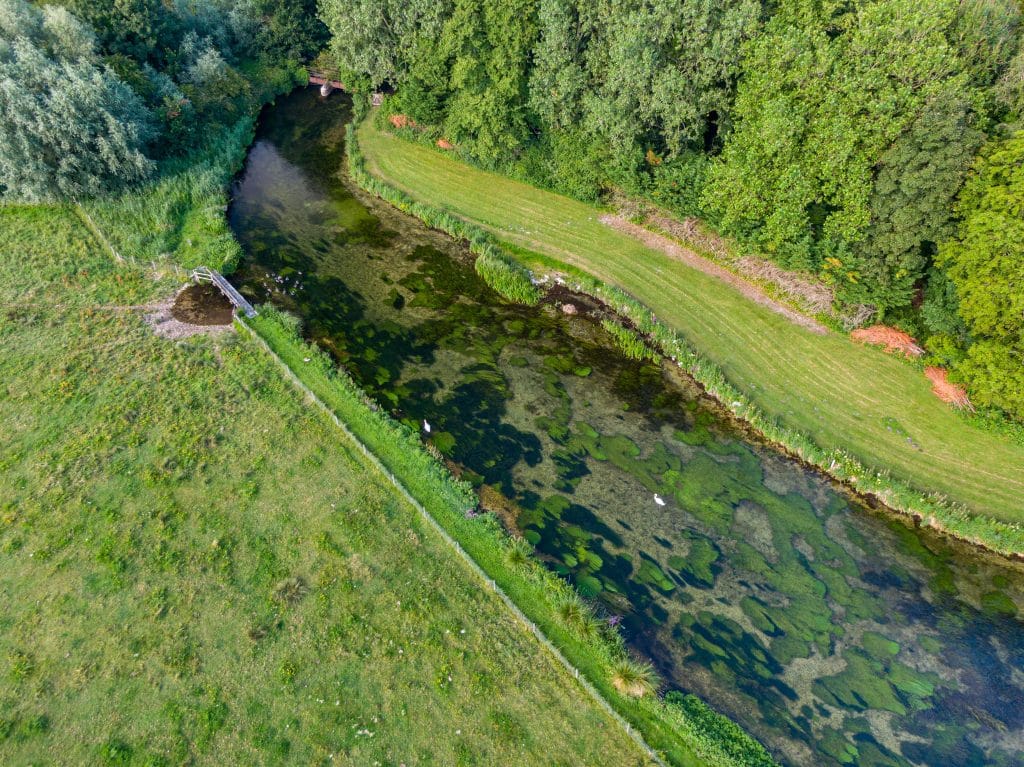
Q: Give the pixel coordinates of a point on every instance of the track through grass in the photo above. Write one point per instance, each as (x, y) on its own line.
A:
(838, 393)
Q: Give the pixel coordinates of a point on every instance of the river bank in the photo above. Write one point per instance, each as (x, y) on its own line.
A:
(404, 313)
(831, 402)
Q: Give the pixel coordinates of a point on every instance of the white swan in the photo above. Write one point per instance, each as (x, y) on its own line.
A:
(426, 426)
(659, 500)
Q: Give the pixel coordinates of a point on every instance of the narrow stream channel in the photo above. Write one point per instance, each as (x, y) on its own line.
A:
(832, 633)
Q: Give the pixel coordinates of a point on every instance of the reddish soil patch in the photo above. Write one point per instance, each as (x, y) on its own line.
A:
(946, 390)
(892, 339)
(443, 143)
(676, 251)
(402, 121)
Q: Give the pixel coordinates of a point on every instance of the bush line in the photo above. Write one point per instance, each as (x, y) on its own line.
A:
(931, 509)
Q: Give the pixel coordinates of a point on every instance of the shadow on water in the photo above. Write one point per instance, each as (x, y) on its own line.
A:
(835, 635)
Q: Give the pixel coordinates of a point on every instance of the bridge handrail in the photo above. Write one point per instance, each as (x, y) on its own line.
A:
(206, 274)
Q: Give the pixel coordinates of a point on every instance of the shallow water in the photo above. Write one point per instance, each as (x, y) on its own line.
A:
(834, 634)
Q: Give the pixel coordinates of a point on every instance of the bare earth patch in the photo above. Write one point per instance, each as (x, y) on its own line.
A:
(812, 295)
(892, 339)
(166, 325)
(946, 390)
(402, 121)
(677, 252)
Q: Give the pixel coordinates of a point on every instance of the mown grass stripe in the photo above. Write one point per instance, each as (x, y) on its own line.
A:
(854, 389)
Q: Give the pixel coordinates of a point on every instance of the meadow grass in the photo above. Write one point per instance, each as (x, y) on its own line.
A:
(841, 396)
(548, 601)
(199, 568)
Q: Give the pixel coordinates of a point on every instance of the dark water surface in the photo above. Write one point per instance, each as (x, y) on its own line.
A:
(833, 634)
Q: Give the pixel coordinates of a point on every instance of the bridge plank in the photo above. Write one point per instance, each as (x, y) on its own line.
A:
(206, 274)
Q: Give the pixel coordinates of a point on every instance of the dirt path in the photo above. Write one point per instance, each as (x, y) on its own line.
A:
(676, 251)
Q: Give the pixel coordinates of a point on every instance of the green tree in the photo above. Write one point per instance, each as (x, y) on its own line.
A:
(375, 37)
(916, 180)
(669, 69)
(278, 29)
(986, 262)
(132, 27)
(827, 92)
(488, 44)
(68, 126)
(560, 76)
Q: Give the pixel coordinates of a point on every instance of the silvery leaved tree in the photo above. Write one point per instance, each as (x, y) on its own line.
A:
(68, 126)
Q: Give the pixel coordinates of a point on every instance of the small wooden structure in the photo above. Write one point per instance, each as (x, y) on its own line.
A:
(206, 274)
(327, 80)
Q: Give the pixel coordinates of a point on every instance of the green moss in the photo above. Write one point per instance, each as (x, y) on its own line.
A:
(999, 603)
(650, 573)
(879, 647)
(912, 683)
(443, 441)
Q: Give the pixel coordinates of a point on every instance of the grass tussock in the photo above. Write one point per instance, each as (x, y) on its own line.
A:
(634, 678)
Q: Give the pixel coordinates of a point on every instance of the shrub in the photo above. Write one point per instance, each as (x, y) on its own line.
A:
(734, 740)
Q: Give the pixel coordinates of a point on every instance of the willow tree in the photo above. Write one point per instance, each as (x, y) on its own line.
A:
(68, 126)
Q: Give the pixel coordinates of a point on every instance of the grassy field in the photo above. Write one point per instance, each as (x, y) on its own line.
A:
(838, 393)
(197, 568)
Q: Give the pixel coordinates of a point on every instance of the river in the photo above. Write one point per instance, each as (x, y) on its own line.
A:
(833, 633)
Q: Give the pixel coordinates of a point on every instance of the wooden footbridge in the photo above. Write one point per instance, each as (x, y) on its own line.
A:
(206, 274)
(328, 80)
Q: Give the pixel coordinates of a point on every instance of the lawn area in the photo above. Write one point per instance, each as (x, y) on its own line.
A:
(196, 567)
(840, 394)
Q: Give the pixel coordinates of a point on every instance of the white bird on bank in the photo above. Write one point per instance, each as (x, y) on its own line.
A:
(426, 426)
(659, 500)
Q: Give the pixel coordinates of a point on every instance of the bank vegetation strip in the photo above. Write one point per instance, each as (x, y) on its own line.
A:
(688, 734)
(197, 568)
(831, 402)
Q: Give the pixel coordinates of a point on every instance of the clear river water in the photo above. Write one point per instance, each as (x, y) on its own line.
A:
(833, 633)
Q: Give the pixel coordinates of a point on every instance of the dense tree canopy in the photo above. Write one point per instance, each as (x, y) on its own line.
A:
(68, 125)
(986, 262)
(92, 92)
(832, 135)
(831, 94)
